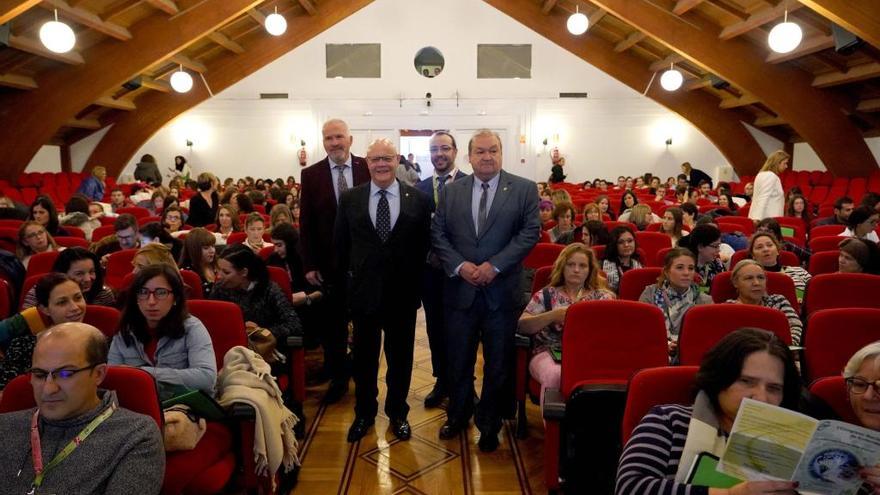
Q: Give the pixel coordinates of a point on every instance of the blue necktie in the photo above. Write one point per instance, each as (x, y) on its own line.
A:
(482, 213)
(383, 216)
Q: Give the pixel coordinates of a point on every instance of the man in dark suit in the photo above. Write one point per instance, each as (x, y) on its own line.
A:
(483, 228)
(322, 185)
(695, 175)
(443, 152)
(382, 237)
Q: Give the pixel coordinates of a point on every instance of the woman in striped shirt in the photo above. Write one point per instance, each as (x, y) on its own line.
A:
(751, 284)
(748, 363)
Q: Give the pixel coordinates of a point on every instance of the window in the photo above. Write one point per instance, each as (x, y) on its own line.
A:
(504, 61)
(354, 60)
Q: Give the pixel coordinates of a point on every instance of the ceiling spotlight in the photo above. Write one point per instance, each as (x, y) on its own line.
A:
(181, 81)
(276, 24)
(671, 79)
(577, 23)
(785, 36)
(57, 36)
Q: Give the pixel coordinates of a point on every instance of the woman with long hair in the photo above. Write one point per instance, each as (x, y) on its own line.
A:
(862, 224)
(279, 214)
(43, 211)
(203, 206)
(768, 199)
(673, 224)
(32, 239)
(605, 206)
(621, 255)
(227, 222)
(200, 256)
(705, 242)
(627, 201)
(798, 207)
(764, 248)
(84, 268)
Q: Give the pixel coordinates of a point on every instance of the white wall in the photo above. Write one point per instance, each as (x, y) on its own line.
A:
(48, 159)
(805, 158)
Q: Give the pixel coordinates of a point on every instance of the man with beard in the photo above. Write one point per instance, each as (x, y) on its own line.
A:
(443, 152)
(322, 185)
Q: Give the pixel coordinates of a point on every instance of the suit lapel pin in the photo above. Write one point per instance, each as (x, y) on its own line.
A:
(504, 189)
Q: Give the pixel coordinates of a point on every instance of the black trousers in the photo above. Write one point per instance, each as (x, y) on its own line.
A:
(333, 318)
(435, 321)
(465, 330)
(399, 326)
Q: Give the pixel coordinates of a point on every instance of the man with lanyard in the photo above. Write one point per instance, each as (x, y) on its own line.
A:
(78, 439)
(443, 152)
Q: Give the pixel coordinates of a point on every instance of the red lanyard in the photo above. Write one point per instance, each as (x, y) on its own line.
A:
(36, 449)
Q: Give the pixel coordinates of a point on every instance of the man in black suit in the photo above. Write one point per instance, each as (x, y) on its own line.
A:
(483, 227)
(322, 185)
(443, 152)
(382, 237)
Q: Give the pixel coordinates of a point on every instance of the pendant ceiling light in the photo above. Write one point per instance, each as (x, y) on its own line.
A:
(276, 24)
(785, 36)
(671, 79)
(577, 23)
(181, 81)
(57, 36)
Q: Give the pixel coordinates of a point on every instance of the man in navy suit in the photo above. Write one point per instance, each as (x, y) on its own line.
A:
(443, 152)
(483, 227)
(382, 235)
(322, 185)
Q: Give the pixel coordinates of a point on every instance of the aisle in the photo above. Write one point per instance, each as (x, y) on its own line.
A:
(380, 464)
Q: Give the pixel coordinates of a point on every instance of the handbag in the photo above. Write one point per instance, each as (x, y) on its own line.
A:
(261, 341)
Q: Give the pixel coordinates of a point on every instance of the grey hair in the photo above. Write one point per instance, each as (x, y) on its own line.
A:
(334, 122)
(742, 264)
(382, 142)
(484, 133)
(870, 351)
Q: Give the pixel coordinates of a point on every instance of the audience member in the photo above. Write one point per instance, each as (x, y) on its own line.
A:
(862, 224)
(227, 223)
(858, 256)
(772, 226)
(695, 176)
(32, 239)
(563, 214)
(147, 171)
(254, 226)
(203, 206)
(199, 256)
(78, 213)
(621, 255)
(280, 214)
(83, 267)
(764, 248)
(750, 281)
(172, 219)
(605, 206)
(43, 211)
(705, 241)
(545, 209)
(92, 187)
(673, 224)
(798, 207)
(843, 207)
(127, 236)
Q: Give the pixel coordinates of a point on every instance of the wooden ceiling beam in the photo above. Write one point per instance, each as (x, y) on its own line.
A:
(64, 92)
(682, 6)
(167, 6)
(722, 127)
(808, 46)
(308, 6)
(17, 81)
(664, 63)
(131, 129)
(257, 16)
(88, 19)
(853, 74)
(10, 9)
(742, 101)
(181, 59)
(155, 84)
(697, 83)
(758, 19)
(870, 105)
(35, 47)
(91, 124)
(768, 121)
(224, 41)
(834, 138)
(115, 103)
(859, 17)
(596, 16)
(628, 42)
(548, 6)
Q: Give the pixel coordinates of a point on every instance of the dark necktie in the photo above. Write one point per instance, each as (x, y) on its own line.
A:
(383, 216)
(482, 213)
(441, 181)
(341, 183)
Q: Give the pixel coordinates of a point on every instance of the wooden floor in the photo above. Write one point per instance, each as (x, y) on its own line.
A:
(380, 464)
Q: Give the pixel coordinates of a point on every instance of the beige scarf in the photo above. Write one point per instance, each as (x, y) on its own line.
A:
(704, 435)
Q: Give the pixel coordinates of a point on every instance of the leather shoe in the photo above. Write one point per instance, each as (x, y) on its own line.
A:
(359, 428)
(488, 442)
(436, 396)
(335, 392)
(450, 430)
(401, 429)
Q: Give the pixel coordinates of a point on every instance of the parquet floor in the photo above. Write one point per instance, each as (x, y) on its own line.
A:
(380, 464)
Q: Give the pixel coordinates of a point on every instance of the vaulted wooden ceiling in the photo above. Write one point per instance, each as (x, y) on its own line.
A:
(814, 94)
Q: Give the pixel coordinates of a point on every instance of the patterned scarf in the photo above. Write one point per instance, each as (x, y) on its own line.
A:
(674, 305)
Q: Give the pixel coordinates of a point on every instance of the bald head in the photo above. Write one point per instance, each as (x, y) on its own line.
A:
(81, 337)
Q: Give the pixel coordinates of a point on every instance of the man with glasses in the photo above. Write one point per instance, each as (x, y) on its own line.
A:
(127, 236)
(443, 152)
(382, 237)
(77, 439)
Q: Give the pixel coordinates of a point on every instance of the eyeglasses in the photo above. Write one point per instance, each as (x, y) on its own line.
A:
(383, 159)
(859, 386)
(444, 149)
(34, 235)
(59, 374)
(160, 294)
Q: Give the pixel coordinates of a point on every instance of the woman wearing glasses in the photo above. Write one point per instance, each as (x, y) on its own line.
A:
(59, 300)
(705, 242)
(157, 334)
(32, 239)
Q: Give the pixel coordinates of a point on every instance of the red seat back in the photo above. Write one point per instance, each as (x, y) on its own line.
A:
(826, 231)
(102, 232)
(611, 224)
(192, 280)
(11, 223)
(236, 238)
(842, 290)
(135, 389)
(777, 283)
(72, 242)
(150, 219)
(41, 263)
(6, 301)
(652, 243)
(825, 243)
(224, 322)
(29, 282)
(74, 231)
(633, 282)
(282, 279)
(660, 257)
(824, 262)
(653, 387)
(832, 390)
(104, 318)
(835, 335)
(119, 264)
(703, 326)
(542, 278)
(137, 211)
(543, 254)
(743, 224)
(266, 252)
(786, 258)
(598, 342)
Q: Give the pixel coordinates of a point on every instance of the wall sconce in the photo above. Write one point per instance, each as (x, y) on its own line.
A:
(189, 143)
(544, 142)
(668, 142)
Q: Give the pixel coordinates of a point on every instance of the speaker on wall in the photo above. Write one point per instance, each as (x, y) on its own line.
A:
(845, 42)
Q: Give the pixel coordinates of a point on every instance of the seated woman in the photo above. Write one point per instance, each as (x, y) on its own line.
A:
(798, 207)
(575, 277)
(604, 205)
(673, 224)
(280, 214)
(78, 213)
(858, 256)
(862, 372)
(564, 216)
(675, 292)
(559, 196)
(641, 215)
(621, 255)
(591, 212)
(227, 223)
(199, 256)
(705, 241)
(764, 248)
(43, 211)
(158, 335)
(861, 224)
(59, 300)
(152, 254)
(627, 201)
(545, 209)
(172, 220)
(750, 281)
(32, 239)
(725, 201)
(747, 363)
(285, 238)
(83, 267)
(243, 279)
(772, 226)
(254, 226)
